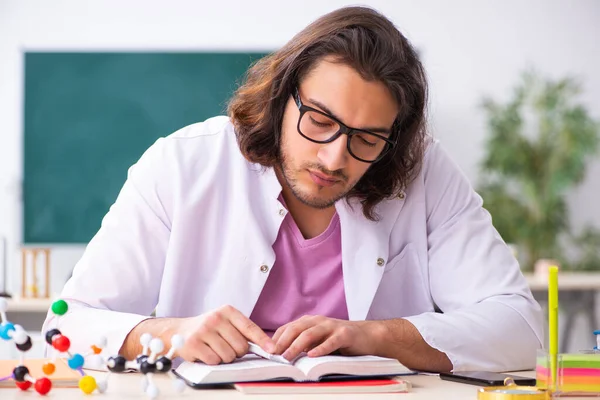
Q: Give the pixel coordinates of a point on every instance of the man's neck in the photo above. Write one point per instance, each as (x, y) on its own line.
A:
(310, 221)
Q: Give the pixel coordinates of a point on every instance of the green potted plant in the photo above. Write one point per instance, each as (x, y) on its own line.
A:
(538, 147)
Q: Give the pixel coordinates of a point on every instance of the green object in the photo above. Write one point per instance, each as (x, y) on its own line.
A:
(537, 151)
(570, 360)
(89, 116)
(60, 307)
(580, 361)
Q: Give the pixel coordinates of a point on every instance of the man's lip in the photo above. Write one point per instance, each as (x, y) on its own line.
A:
(324, 177)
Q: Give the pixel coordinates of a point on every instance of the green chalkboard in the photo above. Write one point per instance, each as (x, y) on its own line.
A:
(89, 116)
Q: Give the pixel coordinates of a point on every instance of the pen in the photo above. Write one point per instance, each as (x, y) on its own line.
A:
(553, 320)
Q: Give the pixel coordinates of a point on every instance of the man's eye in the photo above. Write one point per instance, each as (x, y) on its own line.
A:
(365, 141)
(322, 124)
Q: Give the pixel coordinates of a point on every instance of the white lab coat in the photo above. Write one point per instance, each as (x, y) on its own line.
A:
(195, 222)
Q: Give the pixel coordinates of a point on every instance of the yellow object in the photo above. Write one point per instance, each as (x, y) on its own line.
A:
(512, 392)
(87, 384)
(33, 289)
(553, 321)
(48, 368)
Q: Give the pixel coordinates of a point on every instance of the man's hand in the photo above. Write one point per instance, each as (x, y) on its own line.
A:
(393, 338)
(219, 336)
(318, 336)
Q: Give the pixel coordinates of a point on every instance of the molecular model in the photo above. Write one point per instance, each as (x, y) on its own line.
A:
(147, 364)
(150, 364)
(20, 374)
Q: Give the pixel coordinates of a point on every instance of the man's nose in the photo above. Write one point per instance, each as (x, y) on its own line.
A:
(334, 155)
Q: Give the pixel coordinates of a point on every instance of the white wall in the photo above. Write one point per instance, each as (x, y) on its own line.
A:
(469, 47)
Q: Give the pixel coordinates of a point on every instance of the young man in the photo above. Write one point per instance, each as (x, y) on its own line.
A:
(318, 216)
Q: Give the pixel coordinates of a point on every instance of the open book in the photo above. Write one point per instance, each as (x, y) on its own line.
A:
(252, 368)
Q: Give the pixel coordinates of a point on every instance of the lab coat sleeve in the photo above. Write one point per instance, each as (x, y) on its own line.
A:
(115, 284)
(490, 320)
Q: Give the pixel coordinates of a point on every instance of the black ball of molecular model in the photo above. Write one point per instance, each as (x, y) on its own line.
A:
(147, 364)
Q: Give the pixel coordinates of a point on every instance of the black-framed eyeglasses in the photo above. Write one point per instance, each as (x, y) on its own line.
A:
(320, 127)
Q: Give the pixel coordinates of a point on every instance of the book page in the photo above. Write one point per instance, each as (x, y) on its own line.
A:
(246, 369)
(315, 367)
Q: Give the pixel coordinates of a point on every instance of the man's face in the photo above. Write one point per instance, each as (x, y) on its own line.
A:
(320, 174)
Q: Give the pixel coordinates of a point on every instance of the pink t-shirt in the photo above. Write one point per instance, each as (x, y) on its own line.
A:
(306, 278)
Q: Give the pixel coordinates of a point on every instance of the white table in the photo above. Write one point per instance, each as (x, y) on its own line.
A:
(577, 294)
(125, 386)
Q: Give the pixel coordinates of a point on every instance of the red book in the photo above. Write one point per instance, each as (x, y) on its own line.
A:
(345, 386)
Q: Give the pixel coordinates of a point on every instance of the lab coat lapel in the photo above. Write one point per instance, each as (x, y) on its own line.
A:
(365, 252)
(257, 242)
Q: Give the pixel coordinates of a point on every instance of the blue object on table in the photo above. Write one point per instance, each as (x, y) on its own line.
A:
(76, 361)
(5, 328)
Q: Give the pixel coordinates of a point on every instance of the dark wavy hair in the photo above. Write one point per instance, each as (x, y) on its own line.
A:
(368, 42)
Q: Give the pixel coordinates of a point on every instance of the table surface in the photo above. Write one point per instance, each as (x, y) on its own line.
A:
(425, 387)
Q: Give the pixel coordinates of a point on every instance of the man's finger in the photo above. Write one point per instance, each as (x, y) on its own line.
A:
(290, 333)
(331, 344)
(205, 354)
(279, 331)
(251, 331)
(234, 338)
(307, 339)
(220, 347)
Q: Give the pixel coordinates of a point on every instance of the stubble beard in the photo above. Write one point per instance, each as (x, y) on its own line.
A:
(289, 177)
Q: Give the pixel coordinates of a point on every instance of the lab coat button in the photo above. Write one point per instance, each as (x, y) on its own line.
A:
(380, 262)
(282, 212)
(264, 268)
(401, 195)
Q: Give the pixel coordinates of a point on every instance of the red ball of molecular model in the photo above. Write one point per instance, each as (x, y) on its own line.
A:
(147, 364)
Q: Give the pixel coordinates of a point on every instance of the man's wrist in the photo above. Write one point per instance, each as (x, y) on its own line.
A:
(398, 338)
(385, 336)
(378, 337)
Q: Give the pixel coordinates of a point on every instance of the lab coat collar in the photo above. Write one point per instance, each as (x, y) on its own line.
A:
(268, 178)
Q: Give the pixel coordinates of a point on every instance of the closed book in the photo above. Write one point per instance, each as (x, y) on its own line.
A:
(343, 386)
